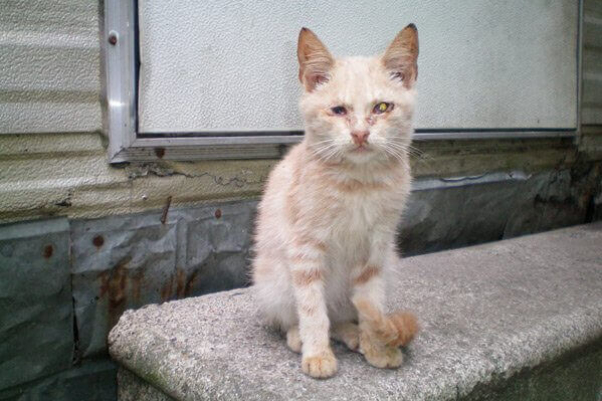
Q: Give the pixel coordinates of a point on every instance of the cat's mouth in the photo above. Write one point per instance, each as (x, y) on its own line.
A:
(361, 148)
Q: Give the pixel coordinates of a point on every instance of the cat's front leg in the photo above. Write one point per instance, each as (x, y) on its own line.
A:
(306, 261)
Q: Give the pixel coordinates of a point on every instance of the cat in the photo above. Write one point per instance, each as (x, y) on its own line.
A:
(325, 237)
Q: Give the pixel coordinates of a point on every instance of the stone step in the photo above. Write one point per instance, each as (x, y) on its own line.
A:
(519, 319)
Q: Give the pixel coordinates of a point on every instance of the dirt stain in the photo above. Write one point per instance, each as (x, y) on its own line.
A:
(160, 152)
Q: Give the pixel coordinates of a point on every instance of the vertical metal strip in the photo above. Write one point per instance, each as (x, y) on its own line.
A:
(118, 44)
(579, 134)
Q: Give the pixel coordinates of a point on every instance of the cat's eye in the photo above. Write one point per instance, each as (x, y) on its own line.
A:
(339, 110)
(382, 107)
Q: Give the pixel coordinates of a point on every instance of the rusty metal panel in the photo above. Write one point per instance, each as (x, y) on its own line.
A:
(36, 321)
(129, 261)
(118, 263)
(215, 246)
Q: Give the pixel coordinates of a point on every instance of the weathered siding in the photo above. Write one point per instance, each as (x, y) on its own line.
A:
(68, 174)
(50, 63)
(591, 107)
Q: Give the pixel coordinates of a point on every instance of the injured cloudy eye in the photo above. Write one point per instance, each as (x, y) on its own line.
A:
(339, 110)
(382, 107)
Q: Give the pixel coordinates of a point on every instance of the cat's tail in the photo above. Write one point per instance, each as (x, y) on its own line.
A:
(407, 327)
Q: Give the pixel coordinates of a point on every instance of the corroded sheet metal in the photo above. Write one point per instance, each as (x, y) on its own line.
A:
(129, 261)
(215, 248)
(454, 216)
(118, 263)
(91, 381)
(36, 321)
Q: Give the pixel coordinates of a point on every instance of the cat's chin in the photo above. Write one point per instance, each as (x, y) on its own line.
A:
(362, 154)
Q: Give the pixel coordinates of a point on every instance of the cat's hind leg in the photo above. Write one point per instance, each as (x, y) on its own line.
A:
(381, 335)
(293, 339)
(347, 333)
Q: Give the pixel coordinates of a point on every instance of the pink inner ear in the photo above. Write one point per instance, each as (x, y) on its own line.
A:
(398, 75)
(313, 80)
(320, 79)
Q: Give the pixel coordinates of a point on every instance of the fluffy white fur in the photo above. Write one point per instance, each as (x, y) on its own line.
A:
(326, 226)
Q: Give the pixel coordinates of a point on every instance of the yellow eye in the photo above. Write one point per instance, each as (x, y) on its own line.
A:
(382, 107)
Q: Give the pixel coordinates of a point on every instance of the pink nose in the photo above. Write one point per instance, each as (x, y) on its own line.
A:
(360, 137)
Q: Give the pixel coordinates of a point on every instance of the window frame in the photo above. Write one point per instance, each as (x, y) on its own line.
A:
(120, 47)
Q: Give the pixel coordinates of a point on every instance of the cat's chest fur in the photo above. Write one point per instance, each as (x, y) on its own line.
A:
(362, 214)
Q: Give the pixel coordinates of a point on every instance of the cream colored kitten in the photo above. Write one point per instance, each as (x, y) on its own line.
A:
(326, 225)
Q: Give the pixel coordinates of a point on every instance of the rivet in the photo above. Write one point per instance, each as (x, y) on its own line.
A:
(113, 38)
(98, 241)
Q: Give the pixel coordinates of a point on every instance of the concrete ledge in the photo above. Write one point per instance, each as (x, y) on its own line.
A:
(515, 319)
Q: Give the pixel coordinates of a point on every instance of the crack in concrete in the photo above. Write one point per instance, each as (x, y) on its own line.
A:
(145, 170)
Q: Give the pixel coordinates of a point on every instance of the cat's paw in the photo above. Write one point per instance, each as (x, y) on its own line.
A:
(384, 357)
(320, 366)
(377, 353)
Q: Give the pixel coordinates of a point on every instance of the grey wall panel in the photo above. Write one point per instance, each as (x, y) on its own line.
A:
(231, 65)
(36, 320)
(119, 263)
(93, 380)
(215, 248)
(125, 262)
(457, 216)
(50, 64)
(591, 106)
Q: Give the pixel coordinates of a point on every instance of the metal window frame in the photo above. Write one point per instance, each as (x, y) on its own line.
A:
(120, 53)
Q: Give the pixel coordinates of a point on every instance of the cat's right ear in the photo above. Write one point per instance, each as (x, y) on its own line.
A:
(402, 55)
(315, 61)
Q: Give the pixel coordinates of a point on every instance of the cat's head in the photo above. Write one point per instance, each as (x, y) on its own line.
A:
(358, 109)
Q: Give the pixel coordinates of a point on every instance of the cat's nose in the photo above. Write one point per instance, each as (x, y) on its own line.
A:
(360, 137)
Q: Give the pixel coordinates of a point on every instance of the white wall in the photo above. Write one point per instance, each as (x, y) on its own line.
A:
(231, 65)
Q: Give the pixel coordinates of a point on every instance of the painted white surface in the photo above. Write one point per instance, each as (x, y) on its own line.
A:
(49, 66)
(230, 65)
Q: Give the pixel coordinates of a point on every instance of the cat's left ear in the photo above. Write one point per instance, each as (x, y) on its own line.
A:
(401, 56)
(315, 61)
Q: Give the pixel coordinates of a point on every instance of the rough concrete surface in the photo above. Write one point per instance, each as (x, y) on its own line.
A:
(490, 315)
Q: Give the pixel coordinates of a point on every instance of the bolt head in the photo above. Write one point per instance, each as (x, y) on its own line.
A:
(113, 38)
